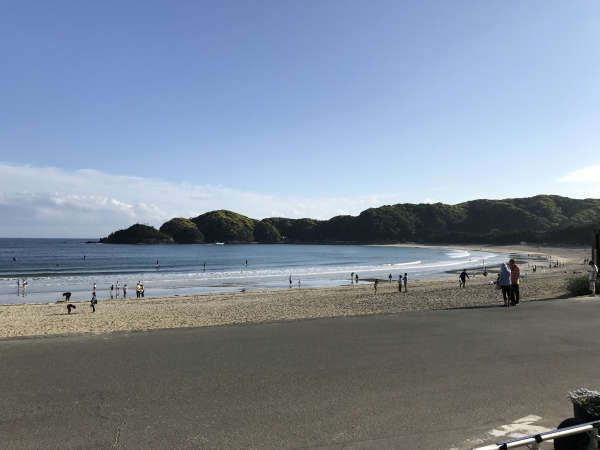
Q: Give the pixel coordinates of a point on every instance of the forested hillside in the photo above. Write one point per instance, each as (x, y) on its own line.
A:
(543, 218)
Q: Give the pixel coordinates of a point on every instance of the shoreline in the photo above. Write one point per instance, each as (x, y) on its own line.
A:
(280, 305)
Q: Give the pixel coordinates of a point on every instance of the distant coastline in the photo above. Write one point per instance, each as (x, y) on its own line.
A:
(543, 219)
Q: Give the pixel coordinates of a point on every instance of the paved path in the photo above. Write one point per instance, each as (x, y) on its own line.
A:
(442, 379)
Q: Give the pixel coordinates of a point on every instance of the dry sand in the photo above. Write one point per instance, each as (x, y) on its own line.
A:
(289, 304)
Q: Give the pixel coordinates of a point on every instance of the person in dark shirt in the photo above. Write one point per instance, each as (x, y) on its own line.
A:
(463, 278)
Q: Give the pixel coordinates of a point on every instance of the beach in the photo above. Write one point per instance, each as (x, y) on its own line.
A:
(132, 314)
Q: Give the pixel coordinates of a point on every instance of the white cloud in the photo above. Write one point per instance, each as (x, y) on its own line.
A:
(590, 174)
(51, 202)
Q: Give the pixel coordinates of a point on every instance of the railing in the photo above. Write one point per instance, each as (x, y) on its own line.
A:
(533, 441)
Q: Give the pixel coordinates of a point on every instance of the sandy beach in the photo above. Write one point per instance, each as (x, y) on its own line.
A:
(290, 304)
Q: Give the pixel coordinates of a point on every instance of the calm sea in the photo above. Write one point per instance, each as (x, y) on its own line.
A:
(53, 266)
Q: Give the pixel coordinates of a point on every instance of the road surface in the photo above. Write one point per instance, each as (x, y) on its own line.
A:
(443, 379)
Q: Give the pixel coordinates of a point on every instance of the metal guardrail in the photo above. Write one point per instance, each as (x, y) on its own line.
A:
(533, 441)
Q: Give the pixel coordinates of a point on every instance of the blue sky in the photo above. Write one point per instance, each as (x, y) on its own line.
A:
(289, 108)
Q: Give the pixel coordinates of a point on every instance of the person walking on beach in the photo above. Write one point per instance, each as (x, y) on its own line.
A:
(93, 302)
(351, 279)
(463, 278)
(124, 290)
(375, 285)
(504, 280)
(298, 283)
(390, 277)
(405, 279)
(112, 288)
(356, 278)
(515, 279)
(592, 277)
(290, 281)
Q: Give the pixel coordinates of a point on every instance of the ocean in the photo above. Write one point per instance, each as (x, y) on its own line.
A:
(53, 266)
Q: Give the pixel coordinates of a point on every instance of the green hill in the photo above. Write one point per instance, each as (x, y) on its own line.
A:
(183, 231)
(225, 226)
(542, 219)
(137, 234)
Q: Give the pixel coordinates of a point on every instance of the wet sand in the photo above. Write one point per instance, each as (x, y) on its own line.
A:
(290, 304)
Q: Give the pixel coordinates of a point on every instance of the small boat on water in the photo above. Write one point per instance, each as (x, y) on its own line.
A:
(219, 243)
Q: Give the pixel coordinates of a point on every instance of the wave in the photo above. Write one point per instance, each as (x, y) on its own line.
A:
(458, 254)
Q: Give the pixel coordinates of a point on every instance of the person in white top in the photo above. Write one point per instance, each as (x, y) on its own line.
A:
(593, 270)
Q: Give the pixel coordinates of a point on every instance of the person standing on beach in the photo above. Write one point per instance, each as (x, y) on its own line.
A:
(375, 285)
(592, 277)
(356, 278)
(400, 283)
(405, 281)
(351, 279)
(390, 277)
(504, 280)
(463, 278)
(112, 288)
(290, 281)
(124, 290)
(515, 279)
(93, 302)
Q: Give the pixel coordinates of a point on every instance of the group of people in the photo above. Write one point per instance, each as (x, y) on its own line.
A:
(24, 286)
(508, 280)
(402, 280)
(139, 291)
(116, 289)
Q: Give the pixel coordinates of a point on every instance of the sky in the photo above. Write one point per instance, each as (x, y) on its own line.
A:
(118, 112)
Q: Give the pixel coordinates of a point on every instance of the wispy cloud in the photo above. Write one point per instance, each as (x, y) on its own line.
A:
(590, 174)
(49, 202)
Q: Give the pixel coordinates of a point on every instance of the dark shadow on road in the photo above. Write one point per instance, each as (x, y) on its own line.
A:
(502, 306)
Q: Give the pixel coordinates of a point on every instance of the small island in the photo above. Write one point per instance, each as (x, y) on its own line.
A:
(137, 234)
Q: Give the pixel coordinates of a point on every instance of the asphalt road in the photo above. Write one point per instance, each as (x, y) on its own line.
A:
(414, 380)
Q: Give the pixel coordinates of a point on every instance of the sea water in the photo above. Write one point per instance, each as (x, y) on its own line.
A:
(53, 266)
